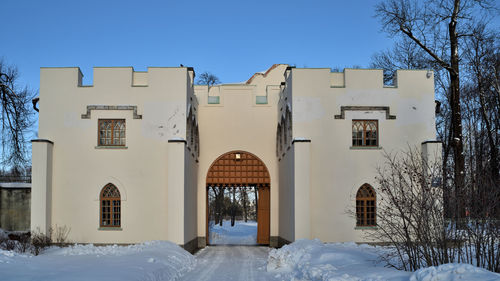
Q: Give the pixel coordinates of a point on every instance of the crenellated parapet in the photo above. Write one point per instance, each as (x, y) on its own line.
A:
(374, 78)
(158, 100)
(262, 89)
(115, 76)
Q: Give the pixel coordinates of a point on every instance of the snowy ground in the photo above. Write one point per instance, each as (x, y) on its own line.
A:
(242, 233)
(160, 260)
(150, 261)
(231, 263)
(313, 260)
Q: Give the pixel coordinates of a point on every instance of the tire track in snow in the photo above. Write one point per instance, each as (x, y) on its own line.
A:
(228, 263)
(209, 264)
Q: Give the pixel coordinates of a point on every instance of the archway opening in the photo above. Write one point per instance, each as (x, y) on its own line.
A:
(238, 200)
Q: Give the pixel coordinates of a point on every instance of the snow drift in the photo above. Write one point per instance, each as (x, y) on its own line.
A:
(151, 261)
(454, 271)
(312, 260)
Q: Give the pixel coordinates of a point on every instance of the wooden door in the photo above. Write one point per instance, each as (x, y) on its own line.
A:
(263, 215)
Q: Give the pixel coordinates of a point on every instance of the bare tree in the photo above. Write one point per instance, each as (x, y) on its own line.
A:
(482, 63)
(438, 28)
(244, 202)
(233, 206)
(218, 204)
(410, 217)
(207, 78)
(404, 55)
(16, 117)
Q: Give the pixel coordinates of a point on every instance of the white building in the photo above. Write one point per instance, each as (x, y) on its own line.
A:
(130, 158)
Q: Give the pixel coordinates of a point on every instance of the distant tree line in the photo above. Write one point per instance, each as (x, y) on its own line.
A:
(232, 203)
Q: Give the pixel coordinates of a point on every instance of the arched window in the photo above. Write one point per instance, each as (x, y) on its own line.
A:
(289, 126)
(366, 206)
(197, 141)
(283, 130)
(278, 140)
(193, 132)
(189, 131)
(110, 206)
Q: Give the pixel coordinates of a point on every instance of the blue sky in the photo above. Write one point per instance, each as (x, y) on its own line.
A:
(232, 39)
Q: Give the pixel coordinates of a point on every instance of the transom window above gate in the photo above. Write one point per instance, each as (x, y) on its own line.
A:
(238, 168)
(111, 132)
(364, 133)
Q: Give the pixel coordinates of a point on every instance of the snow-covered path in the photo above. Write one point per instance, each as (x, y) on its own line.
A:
(227, 263)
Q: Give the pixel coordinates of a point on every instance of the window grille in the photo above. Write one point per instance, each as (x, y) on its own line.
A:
(366, 206)
(364, 133)
(110, 206)
(111, 132)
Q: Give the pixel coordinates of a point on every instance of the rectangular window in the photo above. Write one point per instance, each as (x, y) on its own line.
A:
(213, 100)
(111, 132)
(364, 133)
(261, 99)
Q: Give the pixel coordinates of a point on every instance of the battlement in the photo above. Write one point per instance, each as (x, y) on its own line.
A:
(374, 78)
(115, 76)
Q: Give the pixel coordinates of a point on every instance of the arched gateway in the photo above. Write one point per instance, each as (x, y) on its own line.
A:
(242, 169)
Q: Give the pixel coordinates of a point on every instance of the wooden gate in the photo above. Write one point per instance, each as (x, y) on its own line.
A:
(241, 169)
(263, 207)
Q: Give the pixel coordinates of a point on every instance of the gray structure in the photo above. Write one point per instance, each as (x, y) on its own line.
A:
(15, 202)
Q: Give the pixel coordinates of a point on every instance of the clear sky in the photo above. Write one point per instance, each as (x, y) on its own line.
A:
(230, 38)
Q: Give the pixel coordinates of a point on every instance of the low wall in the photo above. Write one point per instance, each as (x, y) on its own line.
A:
(15, 202)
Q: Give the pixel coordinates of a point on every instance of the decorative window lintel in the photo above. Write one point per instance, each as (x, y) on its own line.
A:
(343, 109)
(111, 107)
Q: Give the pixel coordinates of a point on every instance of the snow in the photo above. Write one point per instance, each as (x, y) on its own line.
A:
(313, 260)
(177, 139)
(242, 233)
(15, 185)
(163, 260)
(151, 261)
(230, 263)
(452, 272)
(3, 234)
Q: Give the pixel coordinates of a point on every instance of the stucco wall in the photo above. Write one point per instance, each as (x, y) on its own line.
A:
(287, 197)
(337, 169)
(81, 169)
(190, 196)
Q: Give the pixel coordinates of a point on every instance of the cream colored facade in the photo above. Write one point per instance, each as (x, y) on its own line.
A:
(297, 121)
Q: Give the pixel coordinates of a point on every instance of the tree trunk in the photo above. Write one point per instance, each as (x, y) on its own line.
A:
(256, 201)
(456, 116)
(244, 203)
(233, 207)
(221, 201)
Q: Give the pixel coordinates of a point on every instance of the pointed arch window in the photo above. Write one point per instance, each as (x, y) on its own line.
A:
(112, 132)
(366, 206)
(283, 129)
(278, 140)
(189, 129)
(110, 206)
(197, 141)
(289, 126)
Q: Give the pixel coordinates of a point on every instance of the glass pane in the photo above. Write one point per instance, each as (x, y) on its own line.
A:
(213, 99)
(261, 100)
